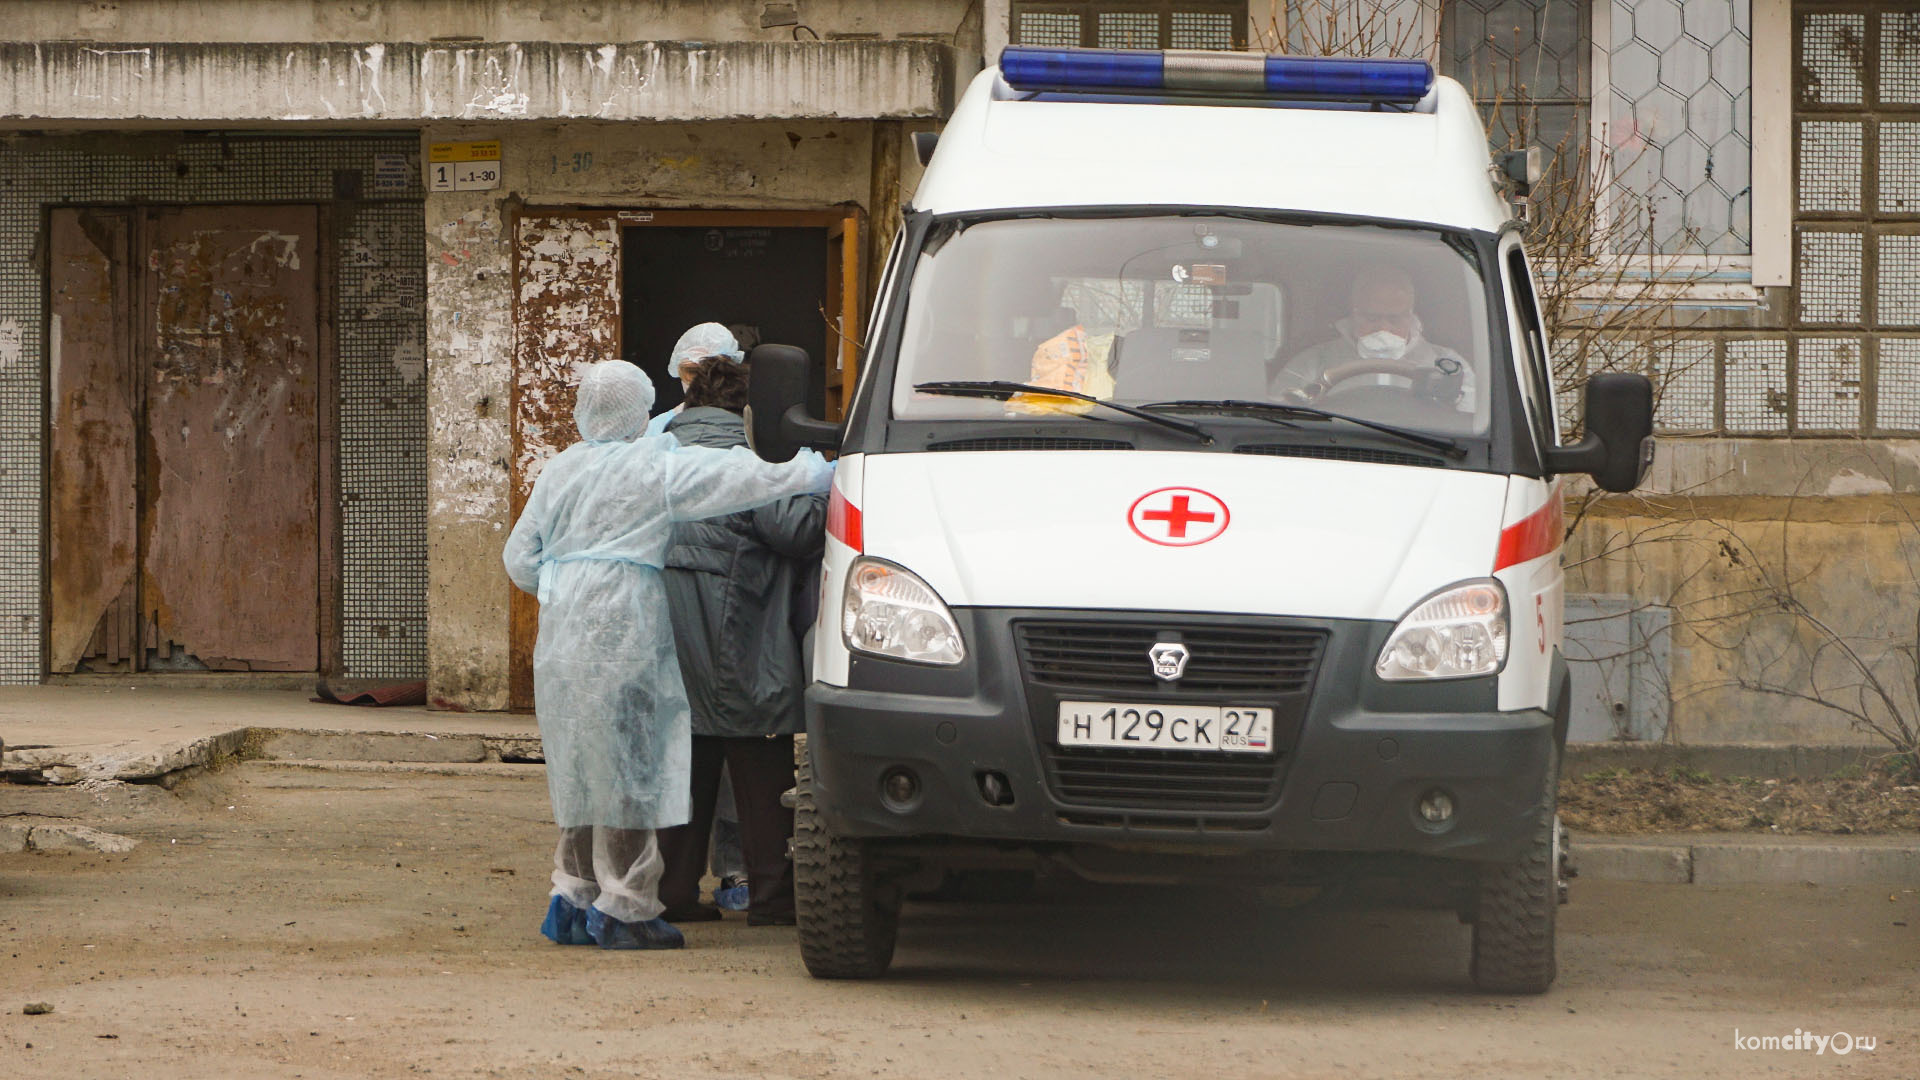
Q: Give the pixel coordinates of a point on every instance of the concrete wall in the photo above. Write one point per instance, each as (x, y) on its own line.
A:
(798, 165)
(132, 83)
(1732, 535)
(487, 20)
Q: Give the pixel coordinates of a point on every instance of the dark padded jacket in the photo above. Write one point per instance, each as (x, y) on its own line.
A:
(732, 584)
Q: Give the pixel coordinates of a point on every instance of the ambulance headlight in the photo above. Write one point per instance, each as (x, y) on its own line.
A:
(888, 611)
(1459, 631)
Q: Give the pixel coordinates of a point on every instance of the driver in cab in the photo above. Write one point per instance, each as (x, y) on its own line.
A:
(1380, 343)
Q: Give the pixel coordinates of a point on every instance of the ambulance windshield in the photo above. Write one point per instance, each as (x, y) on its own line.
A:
(1388, 325)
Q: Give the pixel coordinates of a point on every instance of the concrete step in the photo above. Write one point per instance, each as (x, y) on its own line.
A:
(407, 768)
(1775, 762)
(410, 746)
(1892, 861)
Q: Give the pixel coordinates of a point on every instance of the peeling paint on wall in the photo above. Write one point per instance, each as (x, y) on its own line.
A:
(469, 334)
(567, 312)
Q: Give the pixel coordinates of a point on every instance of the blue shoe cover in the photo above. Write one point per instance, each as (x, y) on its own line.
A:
(613, 934)
(566, 924)
(730, 898)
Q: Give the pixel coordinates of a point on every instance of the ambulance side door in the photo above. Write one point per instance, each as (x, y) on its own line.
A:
(1534, 524)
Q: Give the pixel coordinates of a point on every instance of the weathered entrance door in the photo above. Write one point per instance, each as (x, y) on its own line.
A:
(578, 274)
(212, 435)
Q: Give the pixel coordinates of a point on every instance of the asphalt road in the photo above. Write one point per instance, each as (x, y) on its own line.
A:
(279, 922)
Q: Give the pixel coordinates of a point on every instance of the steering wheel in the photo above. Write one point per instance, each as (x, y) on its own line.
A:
(1433, 382)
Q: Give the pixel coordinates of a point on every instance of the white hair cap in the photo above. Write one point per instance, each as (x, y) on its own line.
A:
(614, 400)
(704, 340)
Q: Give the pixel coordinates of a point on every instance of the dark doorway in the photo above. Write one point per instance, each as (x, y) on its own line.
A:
(769, 284)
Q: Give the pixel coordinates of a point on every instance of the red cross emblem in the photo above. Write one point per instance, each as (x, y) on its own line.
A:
(1177, 517)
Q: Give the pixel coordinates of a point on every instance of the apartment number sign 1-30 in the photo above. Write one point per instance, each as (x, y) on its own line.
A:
(463, 166)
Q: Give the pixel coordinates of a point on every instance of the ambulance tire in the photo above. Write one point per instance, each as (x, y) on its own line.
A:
(1513, 926)
(848, 916)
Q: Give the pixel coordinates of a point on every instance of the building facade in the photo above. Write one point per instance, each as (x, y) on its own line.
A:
(289, 293)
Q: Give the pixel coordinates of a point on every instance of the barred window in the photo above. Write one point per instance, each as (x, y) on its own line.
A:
(1130, 24)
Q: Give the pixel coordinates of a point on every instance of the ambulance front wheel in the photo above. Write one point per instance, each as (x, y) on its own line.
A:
(1513, 924)
(849, 914)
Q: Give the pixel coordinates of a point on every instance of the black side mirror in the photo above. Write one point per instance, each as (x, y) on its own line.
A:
(1617, 449)
(777, 405)
(923, 143)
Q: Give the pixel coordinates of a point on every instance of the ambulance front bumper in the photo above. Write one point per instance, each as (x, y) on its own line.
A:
(1352, 760)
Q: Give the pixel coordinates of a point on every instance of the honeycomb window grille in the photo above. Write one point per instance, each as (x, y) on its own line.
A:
(1856, 127)
(1528, 65)
(1679, 122)
(1130, 24)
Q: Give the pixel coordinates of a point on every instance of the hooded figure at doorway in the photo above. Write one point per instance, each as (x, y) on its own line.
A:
(702, 341)
(613, 713)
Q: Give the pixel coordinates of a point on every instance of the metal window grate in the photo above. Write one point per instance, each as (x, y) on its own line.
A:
(1833, 48)
(1827, 384)
(1830, 166)
(1899, 171)
(1897, 406)
(1899, 74)
(1829, 277)
(1130, 24)
(1684, 375)
(1200, 30)
(1047, 28)
(1897, 280)
(1757, 397)
(1128, 30)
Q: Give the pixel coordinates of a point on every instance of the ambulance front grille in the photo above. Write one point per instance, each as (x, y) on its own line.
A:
(1157, 780)
(1251, 663)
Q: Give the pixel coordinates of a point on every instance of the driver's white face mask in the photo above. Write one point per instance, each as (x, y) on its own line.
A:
(1382, 345)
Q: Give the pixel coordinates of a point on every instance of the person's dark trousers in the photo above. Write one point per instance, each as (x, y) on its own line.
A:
(762, 770)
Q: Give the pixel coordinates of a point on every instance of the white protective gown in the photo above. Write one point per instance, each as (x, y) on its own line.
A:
(590, 543)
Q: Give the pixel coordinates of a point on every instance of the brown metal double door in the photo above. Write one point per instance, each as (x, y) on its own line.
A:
(184, 460)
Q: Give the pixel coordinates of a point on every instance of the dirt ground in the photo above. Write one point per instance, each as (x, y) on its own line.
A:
(289, 923)
(1638, 801)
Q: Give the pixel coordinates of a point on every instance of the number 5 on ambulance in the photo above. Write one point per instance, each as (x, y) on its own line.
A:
(1199, 508)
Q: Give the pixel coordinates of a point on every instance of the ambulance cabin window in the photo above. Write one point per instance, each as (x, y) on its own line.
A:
(1387, 324)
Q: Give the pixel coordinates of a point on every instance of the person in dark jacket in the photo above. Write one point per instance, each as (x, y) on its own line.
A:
(731, 584)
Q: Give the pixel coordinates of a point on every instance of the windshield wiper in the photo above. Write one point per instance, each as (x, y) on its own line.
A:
(1002, 390)
(1273, 411)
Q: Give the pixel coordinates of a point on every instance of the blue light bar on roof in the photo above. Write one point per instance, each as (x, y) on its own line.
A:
(1229, 74)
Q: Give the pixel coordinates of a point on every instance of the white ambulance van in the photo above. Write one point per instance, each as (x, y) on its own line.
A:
(1198, 514)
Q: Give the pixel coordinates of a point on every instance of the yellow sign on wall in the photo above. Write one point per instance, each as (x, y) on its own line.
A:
(463, 151)
(463, 166)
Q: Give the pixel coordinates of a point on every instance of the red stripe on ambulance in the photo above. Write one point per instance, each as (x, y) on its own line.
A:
(1539, 533)
(843, 520)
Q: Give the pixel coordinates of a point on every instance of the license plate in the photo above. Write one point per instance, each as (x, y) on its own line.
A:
(1224, 728)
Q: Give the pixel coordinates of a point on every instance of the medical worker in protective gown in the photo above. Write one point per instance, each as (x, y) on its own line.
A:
(606, 682)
